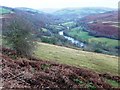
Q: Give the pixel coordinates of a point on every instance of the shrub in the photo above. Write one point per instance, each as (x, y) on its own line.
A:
(20, 38)
(97, 50)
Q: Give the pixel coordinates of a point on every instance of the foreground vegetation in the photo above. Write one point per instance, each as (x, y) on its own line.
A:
(36, 73)
(97, 62)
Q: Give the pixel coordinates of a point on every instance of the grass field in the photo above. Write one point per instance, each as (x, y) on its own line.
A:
(4, 11)
(82, 35)
(69, 24)
(97, 62)
(56, 27)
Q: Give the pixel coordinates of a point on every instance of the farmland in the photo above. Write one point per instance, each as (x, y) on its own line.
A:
(85, 36)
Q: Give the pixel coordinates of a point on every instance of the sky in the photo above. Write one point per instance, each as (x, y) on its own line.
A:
(40, 4)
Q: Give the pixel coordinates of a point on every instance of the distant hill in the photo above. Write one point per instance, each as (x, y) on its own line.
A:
(6, 10)
(36, 19)
(73, 13)
(30, 10)
(107, 16)
(104, 24)
(49, 10)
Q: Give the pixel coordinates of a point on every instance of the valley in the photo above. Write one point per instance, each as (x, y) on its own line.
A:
(98, 34)
(74, 45)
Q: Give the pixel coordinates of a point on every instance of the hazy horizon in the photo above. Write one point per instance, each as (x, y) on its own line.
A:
(59, 4)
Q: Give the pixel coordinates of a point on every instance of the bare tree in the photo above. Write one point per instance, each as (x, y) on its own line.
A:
(20, 37)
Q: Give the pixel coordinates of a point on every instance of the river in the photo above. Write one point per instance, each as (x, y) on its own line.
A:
(76, 42)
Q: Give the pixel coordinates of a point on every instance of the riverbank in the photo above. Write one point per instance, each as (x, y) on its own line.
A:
(76, 42)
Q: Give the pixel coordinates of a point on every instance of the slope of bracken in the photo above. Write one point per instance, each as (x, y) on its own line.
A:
(35, 73)
(104, 30)
(108, 16)
(104, 24)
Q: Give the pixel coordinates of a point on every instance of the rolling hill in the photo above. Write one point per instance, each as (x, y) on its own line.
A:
(30, 10)
(76, 13)
(6, 10)
(79, 58)
(35, 19)
(107, 16)
(56, 66)
(102, 25)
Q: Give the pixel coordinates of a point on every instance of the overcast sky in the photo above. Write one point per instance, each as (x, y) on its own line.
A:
(39, 4)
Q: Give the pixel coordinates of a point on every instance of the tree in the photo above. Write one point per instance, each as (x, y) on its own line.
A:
(20, 37)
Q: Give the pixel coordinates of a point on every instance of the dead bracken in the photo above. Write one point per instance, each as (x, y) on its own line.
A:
(34, 73)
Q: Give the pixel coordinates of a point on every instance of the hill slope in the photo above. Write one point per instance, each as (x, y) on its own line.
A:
(103, 25)
(35, 73)
(97, 62)
(107, 16)
(33, 18)
(6, 10)
(75, 13)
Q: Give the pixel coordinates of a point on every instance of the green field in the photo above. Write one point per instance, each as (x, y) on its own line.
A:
(69, 24)
(98, 62)
(56, 27)
(5, 11)
(84, 36)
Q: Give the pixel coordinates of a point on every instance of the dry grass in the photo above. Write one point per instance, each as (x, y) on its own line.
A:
(98, 62)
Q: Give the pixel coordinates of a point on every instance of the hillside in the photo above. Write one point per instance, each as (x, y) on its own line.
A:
(6, 10)
(79, 58)
(102, 25)
(35, 19)
(107, 16)
(41, 50)
(39, 74)
(76, 13)
(29, 10)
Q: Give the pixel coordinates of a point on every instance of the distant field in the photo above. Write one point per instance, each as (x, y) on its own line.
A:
(82, 35)
(69, 24)
(56, 28)
(5, 11)
(97, 62)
